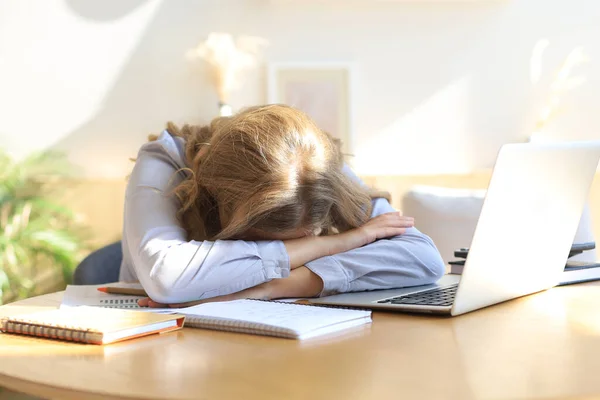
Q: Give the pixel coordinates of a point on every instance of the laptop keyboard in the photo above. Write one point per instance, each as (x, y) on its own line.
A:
(443, 296)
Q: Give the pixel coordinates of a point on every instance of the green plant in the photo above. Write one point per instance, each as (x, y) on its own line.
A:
(41, 242)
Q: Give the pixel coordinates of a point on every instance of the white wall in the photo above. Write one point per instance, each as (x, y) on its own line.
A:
(439, 86)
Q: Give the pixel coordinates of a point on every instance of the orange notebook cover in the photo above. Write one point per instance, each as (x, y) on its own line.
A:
(92, 325)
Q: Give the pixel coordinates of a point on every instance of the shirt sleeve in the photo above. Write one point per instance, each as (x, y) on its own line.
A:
(170, 268)
(410, 259)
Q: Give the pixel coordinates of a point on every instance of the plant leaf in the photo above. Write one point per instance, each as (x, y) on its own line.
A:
(41, 241)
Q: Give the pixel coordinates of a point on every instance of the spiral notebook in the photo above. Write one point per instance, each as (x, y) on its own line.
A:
(92, 325)
(272, 318)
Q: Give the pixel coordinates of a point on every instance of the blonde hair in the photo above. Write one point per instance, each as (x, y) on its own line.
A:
(269, 168)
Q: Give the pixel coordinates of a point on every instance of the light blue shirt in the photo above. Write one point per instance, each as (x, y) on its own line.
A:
(172, 269)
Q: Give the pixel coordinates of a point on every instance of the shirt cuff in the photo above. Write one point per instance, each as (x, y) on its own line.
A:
(275, 259)
(332, 273)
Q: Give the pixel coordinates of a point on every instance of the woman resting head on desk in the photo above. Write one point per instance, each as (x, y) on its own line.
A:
(261, 205)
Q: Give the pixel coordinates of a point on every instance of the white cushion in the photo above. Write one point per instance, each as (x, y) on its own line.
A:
(448, 216)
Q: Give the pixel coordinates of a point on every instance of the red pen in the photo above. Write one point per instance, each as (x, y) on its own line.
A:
(120, 290)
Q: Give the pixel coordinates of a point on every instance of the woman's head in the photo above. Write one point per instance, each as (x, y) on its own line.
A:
(266, 173)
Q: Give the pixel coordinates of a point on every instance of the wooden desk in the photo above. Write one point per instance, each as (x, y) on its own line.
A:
(541, 346)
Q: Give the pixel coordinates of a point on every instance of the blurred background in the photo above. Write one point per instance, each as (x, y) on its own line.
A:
(423, 93)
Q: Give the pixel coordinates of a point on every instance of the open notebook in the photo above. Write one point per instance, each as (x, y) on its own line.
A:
(272, 318)
(93, 325)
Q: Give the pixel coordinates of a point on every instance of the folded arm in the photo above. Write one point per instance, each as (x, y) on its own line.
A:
(409, 259)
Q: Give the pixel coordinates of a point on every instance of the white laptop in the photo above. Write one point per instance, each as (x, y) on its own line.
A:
(524, 233)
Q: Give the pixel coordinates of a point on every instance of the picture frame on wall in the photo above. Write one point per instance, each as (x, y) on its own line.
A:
(322, 90)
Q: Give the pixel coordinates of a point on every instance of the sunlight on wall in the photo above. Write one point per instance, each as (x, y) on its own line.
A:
(58, 74)
(429, 139)
(439, 87)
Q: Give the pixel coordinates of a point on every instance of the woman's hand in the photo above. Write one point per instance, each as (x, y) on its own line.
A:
(380, 227)
(304, 250)
(383, 226)
(302, 282)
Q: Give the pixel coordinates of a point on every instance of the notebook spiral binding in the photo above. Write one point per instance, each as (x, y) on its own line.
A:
(315, 305)
(238, 326)
(120, 303)
(62, 332)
